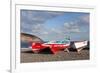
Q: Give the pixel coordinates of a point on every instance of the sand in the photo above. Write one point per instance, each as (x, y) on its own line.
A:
(27, 56)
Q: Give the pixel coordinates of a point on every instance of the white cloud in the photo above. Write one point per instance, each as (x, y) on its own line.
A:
(66, 24)
(56, 31)
(45, 32)
(75, 30)
(34, 20)
(71, 27)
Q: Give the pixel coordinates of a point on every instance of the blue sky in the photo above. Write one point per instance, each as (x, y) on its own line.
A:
(49, 25)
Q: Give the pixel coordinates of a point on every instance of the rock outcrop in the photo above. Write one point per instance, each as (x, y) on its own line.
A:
(27, 39)
(30, 38)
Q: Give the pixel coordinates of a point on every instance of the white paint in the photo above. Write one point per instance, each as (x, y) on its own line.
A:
(79, 44)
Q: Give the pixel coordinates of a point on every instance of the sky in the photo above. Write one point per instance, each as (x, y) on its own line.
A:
(55, 25)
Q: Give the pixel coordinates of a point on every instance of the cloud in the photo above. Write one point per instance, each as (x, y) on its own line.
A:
(56, 31)
(71, 27)
(76, 30)
(32, 21)
(77, 25)
(45, 33)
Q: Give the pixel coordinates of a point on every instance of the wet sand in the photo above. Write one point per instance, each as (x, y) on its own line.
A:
(27, 56)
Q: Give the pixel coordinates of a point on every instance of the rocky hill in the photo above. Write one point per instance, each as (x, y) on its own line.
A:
(27, 39)
(30, 38)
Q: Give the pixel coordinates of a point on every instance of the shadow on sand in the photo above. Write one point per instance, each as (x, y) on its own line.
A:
(44, 51)
(48, 51)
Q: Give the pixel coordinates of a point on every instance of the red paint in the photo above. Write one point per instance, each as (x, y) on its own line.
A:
(37, 47)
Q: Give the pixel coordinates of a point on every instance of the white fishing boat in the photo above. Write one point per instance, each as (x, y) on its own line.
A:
(79, 45)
